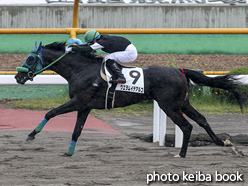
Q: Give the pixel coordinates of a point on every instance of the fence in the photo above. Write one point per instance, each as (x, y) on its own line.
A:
(58, 80)
(234, 40)
(126, 16)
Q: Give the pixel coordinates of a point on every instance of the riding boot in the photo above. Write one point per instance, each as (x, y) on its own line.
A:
(117, 71)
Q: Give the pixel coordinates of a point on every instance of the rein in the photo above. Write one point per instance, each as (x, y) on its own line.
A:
(38, 72)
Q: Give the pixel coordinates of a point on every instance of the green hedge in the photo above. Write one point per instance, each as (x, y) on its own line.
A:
(234, 44)
(225, 95)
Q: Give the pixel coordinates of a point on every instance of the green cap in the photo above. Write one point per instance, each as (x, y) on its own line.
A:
(91, 35)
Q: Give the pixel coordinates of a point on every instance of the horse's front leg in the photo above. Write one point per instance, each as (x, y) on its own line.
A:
(81, 118)
(65, 108)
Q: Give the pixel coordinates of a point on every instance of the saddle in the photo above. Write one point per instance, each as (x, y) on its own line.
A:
(106, 73)
(109, 72)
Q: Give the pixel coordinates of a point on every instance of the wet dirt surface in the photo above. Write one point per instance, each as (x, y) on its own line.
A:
(103, 159)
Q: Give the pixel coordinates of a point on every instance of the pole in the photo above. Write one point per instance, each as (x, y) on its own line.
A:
(156, 121)
(75, 14)
(73, 33)
(159, 125)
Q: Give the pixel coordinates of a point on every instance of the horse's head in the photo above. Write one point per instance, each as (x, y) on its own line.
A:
(53, 53)
(31, 66)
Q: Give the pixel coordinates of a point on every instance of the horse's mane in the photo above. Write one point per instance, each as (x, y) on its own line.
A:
(60, 46)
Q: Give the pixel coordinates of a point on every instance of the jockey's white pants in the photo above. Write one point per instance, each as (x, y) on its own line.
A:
(129, 55)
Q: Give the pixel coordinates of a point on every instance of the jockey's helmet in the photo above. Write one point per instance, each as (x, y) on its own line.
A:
(91, 35)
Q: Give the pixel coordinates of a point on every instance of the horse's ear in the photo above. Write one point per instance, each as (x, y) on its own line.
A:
(35, 45)
(38, 49)
(41, 56)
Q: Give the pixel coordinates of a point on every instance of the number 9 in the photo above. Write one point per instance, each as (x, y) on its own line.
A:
(134, 74)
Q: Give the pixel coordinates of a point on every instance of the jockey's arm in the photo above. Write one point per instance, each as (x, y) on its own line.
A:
(81, 48)
(86, 48)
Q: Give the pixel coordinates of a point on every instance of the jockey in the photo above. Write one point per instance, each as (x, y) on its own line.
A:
(118, 49)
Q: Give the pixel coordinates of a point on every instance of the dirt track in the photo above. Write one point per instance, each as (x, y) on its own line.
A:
(106, 160)
(9, 62)
(117, 160)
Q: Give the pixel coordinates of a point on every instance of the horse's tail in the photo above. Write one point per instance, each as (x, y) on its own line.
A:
(226, 82)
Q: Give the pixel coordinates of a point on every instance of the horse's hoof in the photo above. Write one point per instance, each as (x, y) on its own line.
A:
(177, 156)
(29, 138)
(227, 143)
(66, 155)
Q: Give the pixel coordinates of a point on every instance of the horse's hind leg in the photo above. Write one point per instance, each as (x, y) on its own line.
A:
(65, 108)
(184, 125)
(201, 121)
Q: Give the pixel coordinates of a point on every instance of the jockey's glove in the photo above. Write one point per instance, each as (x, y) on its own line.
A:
(68, 49)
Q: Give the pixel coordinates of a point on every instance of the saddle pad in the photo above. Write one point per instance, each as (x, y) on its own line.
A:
(134, 80)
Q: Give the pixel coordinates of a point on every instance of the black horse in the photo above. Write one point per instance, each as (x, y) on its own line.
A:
(87, 90)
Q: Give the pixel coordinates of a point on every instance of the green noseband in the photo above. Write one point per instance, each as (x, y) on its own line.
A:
(21, 69)
(34, 60)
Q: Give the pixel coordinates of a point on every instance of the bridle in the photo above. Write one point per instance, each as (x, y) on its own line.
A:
(36, 67)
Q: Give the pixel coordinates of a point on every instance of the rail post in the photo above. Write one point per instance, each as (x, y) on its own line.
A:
(159, 124)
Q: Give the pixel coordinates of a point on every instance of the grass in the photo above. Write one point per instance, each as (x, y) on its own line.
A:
(50, 103)
(212, 105)
(38, 103)
(203, 103)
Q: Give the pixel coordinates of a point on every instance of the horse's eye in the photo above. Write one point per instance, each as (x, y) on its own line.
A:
(30, 60)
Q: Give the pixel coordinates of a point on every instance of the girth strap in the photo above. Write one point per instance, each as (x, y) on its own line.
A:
(110, 97)
(110, 93)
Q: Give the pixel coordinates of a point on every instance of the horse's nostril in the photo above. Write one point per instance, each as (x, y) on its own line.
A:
(19, 79)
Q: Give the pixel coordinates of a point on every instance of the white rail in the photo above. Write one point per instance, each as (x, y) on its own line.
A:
(159, 127)
(38, 80)
(58, 80)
